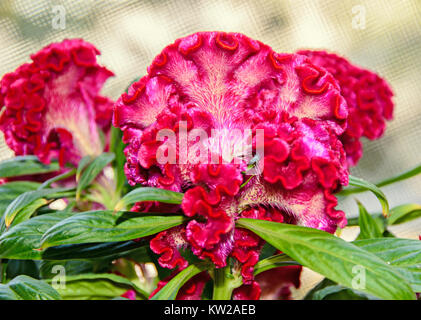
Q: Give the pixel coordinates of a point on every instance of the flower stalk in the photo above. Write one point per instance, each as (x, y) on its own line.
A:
(224, 283)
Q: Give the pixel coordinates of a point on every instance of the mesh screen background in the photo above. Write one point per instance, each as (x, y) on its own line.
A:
(130, 33)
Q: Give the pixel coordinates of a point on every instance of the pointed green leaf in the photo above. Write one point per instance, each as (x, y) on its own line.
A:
(329, 290)
(107, 226)
(404, 213)
(50, 269)
(11, 190)
(27, 288)
(397, 215)
(23, 240)
(369, 228)
(149, 194)
(358, 182)
(117, 146)
(275, 261)
(93, 170)
(403, 176)
(403, 254)
(22, 267)
(89, 251)
(25, 165)
(170, 290)
(27, 198)
(82, 165)
(102, 286)
(332, 257)
(27, 212)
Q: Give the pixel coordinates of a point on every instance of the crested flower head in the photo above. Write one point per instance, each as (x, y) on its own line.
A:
(246, 132)
(51, 107)
(369, 99)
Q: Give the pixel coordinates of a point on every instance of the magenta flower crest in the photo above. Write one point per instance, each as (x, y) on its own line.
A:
(52, 106)
(215, 80)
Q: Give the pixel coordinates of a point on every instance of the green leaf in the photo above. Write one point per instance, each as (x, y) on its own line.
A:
(267, 251)
(403, 254)
(25, 165)
(404, 213)
(369, 228)
(50, 269)
(82, 165)
(107, 226)
(149, 194)
(106, 250)
(29, 197)
(22, 267)
(92, 171)
(27, 288)
(23, 240)
(9, 191)
(98, 287)
(275, 261)
(397, 215)
(403, 176)
(117, 146)
(329, 290)
(27, 212)
(170, 290)
(358, 182)
(332, 257)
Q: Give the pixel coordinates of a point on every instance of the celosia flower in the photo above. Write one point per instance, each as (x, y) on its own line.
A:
(229, 82)
(51, 107)
(369, 99)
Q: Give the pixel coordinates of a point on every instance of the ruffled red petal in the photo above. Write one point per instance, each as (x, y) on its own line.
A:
(211, 238)
(250, 291)
(166, 244)
(52, 105)
(246, 250)
(369, 99)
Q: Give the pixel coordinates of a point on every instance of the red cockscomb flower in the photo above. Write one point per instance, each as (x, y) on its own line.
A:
(369, 99)
(51, 107)
(228, 82)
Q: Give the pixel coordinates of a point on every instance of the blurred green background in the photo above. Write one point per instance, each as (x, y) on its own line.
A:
(384, 36)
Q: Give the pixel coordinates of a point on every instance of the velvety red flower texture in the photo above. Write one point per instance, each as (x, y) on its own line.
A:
(214, 80)
(369, 99)
(52, 108)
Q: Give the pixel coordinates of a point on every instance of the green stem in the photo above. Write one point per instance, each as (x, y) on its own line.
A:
(224, 283)
(275, 261)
